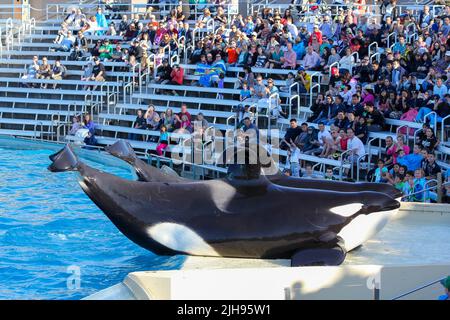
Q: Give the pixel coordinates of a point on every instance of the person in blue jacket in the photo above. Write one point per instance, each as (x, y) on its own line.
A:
(101, 21)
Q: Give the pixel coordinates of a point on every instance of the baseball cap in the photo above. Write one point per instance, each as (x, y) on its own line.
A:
(446, 282)
(301, 69)
(447, 54)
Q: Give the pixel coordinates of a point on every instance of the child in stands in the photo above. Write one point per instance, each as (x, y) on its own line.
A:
(163, 141)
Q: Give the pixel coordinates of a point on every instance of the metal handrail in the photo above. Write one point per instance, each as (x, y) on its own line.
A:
(443, 127)
(229, 119)
(311, 91)
(331, 66)
(435, 119)
(370, 47)
(426, 189)
(358, 164)
(407, 131)
(341, 166)
(418, 289)
(389, 37)
(356, 54)
(291, 98)
(376, 55)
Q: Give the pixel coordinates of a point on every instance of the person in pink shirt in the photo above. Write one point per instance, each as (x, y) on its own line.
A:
(367, 95)
(400, 145)
(311, 60)
(289, 59)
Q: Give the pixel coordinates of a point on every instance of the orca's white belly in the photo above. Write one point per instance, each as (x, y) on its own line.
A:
(364, 227)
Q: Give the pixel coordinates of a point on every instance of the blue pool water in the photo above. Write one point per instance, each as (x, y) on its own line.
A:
(48, 227)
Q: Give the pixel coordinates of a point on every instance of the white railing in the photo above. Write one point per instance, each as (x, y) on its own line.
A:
(334, 64)
(443, 127)
(356, 58)
(433, 124)
(388, 40)
(376, 55)
(370, 49)
(291, 99)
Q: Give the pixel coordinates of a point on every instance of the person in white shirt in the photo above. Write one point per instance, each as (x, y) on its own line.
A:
(355, 145)
(439, 88)
(294, 158)
(323, 134)
(347, 61)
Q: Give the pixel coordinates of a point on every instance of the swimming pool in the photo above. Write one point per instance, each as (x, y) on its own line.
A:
(52, 235)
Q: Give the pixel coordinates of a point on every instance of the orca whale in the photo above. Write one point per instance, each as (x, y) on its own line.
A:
(243, 216)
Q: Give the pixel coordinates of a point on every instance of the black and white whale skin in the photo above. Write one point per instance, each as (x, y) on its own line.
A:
(243, 216)
(145, 172)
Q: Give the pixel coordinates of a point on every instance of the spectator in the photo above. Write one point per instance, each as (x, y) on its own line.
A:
(289, 59)
(311, 61)
(178, 117)
(289, 82)
(163, 142)
(347, 61)
(414, 160)
(381, 172)
(419, 194)
(201, 122)
(430, 142)
(291, 134)
(375, 120)
(89, 124)
(98, 71)
(106, 50)
(250, 129)
(331, 145)
(44, 71)
(355, 145)
(329, 174)
(430, 167)
(66, 43)
(303, 79)
(102, 23)
(87, 73)
(245, 92)
(57, 73)
(32, 70)
(300, 140)
(163, 73)
(76, 125)
(400, 145)
(152, 118)
(309, 173)
(139, 123)
(177, 76)
(293, 158)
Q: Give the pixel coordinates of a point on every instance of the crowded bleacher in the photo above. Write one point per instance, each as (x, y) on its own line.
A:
(357, 92)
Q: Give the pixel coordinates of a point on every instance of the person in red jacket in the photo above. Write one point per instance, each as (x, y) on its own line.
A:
(318, 34)
(177, 76)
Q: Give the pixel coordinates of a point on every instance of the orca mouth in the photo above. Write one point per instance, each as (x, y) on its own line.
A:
(397, 195)
(387, 204)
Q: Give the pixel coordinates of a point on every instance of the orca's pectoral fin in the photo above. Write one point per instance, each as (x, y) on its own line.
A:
(332, 256)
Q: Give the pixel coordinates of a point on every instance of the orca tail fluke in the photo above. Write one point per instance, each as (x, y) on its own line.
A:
(64, 160)
(122, 150)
